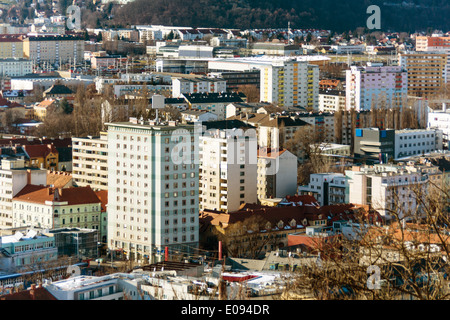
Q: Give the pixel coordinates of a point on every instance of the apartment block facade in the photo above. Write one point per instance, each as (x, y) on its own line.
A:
(427, 71)
(197, 85)
(228, 169)
(49, 208)
(373, 85)
(15, 67)
(433, 43)
(90, 161)
(390, 188)
(331, 100)
(11, 46)
(277, 173)
(54, 49)
(327, 188)
(382, 145)
(14, 176)
(153, 194)
(417, 142)
(440, 119)
(290, 83)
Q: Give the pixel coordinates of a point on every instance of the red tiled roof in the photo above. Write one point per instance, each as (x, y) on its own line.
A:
(17, 141)
(39, 150)
(73, 196)
(38, 293)
(304, 199)
(58, 143)
(58, 179)
(46, 103)
(270, 153)
(103, 196)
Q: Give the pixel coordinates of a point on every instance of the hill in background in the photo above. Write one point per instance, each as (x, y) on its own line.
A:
(342, 15)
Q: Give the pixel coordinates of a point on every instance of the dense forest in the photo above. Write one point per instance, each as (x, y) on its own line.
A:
(343, 15)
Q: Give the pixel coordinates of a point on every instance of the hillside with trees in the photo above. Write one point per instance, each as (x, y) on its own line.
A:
(396, 15)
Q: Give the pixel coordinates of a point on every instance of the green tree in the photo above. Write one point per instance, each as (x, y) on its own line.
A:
(66, 106)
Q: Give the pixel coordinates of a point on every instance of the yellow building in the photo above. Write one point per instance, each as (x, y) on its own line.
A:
(11, 46)
(290, 83)
(40, 110)
(43, 156)
(54, 48)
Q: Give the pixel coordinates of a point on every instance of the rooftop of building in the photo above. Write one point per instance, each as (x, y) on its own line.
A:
(19, 236)
(78, 282)
(42, 194)
(58, 89)
(217, 97)
(265, 152)
(33, 293)
(282, 121)
(39, 150)
(293, 214)
(226, 124)
(103, 196)
(151, 125)
(194, 112)
(54, 37)
(58, 179)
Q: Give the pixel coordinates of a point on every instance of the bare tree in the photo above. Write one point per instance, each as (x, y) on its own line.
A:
(250, 91)
(308, 144)
(407, 258)
(247, 238)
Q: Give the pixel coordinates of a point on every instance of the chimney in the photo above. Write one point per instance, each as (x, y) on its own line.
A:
(56, 195)
(32, 291)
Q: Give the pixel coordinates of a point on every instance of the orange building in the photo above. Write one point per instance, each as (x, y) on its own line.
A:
(42, 156)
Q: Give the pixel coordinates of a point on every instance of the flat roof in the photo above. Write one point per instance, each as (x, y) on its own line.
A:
(148, 126)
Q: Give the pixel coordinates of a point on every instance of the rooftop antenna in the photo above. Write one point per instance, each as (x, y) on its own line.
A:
(157, 103)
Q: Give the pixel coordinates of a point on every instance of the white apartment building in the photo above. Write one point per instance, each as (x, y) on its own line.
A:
(327, 188)
(375, 85)
(13, 178)
(390, 187)
(90, 161)
(277, 173)
(331, 100)
(15, 67)
(88, 288)
(149, 34)
(440, 119)
(290, 83)
(197, 85)
(228, 169)
(153, 188)
(417, 142)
